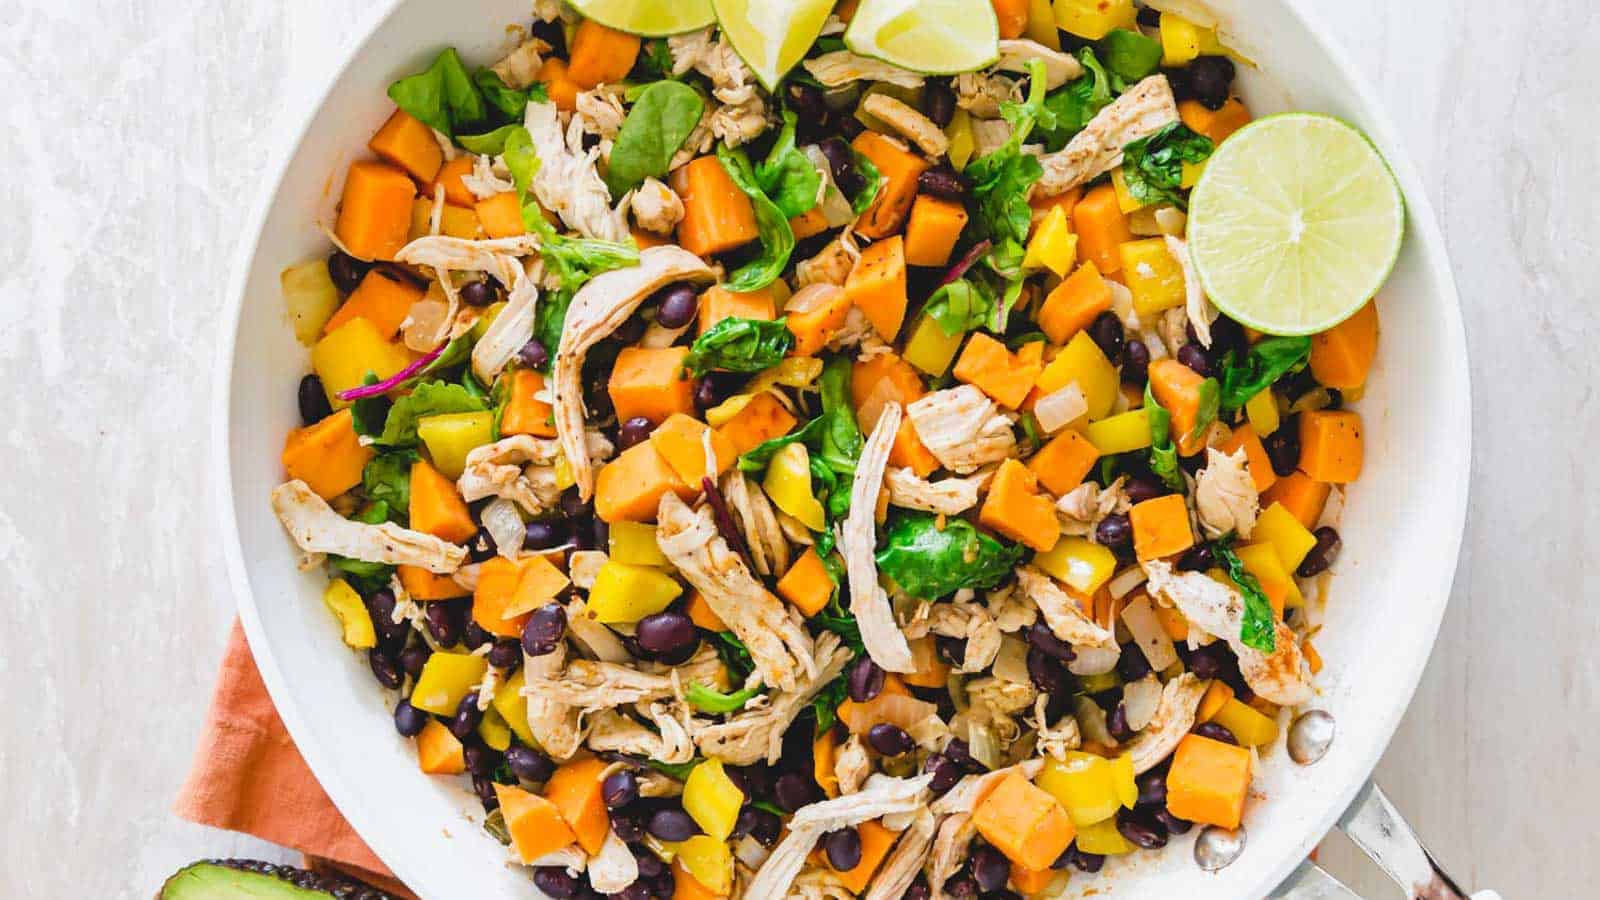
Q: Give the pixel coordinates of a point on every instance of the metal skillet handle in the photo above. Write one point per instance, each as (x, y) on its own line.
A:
(1377, 828)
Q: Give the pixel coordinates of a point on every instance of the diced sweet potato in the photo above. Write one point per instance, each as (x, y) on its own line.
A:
(1217, 694)
(1256, 459)
(876, 841)
(501, 215)
(986, 364)
(498, 582)
(807, 584)
(651, 382)
(454, 221)
(902, 168)
(437, 507)
(1342, 355)
(929, 670)
(524, 412)
(1177, 388)
(1102, 228)
(327, 456)
(601, 55)
(717, 216)
(1062, 464)
(933, 230)
(1161, 527)
(810, 223)
(1215, 124)
(685, 887)
(1303, 496)
(1075, 303)
(1015, 508)
(908, 451)
(380, 299)
(630, 487)
(880, 380)
(558, 84)
(1024, 822)
(701, 613)
(375, 210)
(762, 419)
(455, 190)
(1208, 781)
(1330, 445)
(409, 144)
(534, 823)
(681, 442)
(1041, 205)
(719, 303)
(877, 286)
(424, 585)
(575, 791)
(814, 326)
(1028, 882)
(438, 751)
(1013, 16)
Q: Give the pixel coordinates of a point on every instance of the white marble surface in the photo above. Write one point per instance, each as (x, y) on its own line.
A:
(136, 134)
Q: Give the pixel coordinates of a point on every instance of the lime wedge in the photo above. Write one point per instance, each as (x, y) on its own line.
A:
(1295, 224)
(771, 35)
(648, 18)
(934, 37)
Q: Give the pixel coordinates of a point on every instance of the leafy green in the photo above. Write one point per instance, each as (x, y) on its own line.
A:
(657, 125)
(678, 771)
(841, 439)
(834, 617)
(1268, 360)
(572, 260)
(737, 344)
(777, 238)
(1258, 629)
(387, 478)
(490, 143)
(1001, 178)
(1163, 455)
(755, 460)
(961, 306)
(711, 700)
(873, 178)
(442, 96)
(431, 398)
(549, 319)
(1210, 401)
(656, 60)
(735, 655)
(1129, 54)
(826, 705)
(455, 353)
(1152, 166)
(369, 413)
(366, 576)
(1074, 104)
(509, 102)
(928, 561)
(787, 176)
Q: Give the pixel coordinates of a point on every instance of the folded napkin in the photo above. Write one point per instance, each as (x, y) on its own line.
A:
(248, 777)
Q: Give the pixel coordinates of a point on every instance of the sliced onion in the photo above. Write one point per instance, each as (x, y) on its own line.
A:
(1094, 660)
(966, 262)
(1145, 627)
(395, 380)
(896, 709)
(984, 745)
(810, 297)
(504, 524)
(1059, 409)
(1140, 699)
(1125, 581)
(1092, 721)
(1011, 663)
(750, 852)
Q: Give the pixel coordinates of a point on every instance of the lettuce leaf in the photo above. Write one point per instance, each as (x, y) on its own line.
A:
(1075, 103)
(1259, 628)
(1152, 166)
(1268, 360)
(1163, 455)
(431, 398)
(387, 479)
(740, 345)
(787, 176)
(961, 306)
(930, 559)
(777, 238)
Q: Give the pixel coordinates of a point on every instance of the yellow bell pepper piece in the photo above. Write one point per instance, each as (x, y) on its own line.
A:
(564, 477)
(1103, 838)
(929, 349)
(1191, 173)
(962, 139)
(343, 358)
(1081, 563)
(723, 413)
(355, 626)
(490, 313)
(1279, 527)
(1125, 199)
(634, 543)
(712, 799)
(1180, 40)
(1053, 245)
(494, 730)
(1122, 780)
(1094, 19)
(625, 594)
(1082, 361)
(1121, 433)
(708, 860)
(1085, 785)
(788, 484)
(452, 436)
(1262, 561)
(446, 678)
(1262, 410)
(1042, 24)
(1251, 727)
(513, 708)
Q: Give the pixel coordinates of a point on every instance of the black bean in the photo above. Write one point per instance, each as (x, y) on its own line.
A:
(866, 679)
(554, 881)
(314, 406)
(483, 786)
(477, 293)
(544, 630)
(951, 650)
(1065, 859)
(1117, 724)
(990, 868)
(918, 890)
(380, 606)
(1040, 637)
(1193, 356)
(630, 331)
(1135, 362)
(1142, 489)
(474, 635)
(481, 546)
(890, 740)
(408, 720)
(533, 355)
(543, 534)
(1149, 17)
(843, 848)
(762, 824)
(842, 163)
(1107, 333)
(794, 790)
(939, 102)
(480, 758)
(444, 620)
(1322, 554)
(1172, 823)
(649, 866)
(850, 127)
(1086, 862)
(465, 722)
(1211, 79)
(572, 506)
(1140, 830)
(755, 780)
(634, 431)
(1132, 664)
(676, 305)
(942, 181)
(1214, 660)
(962, 886)
(346, 271)
(627, 826)
(1152, 788)
(1045, 672)
(1197, 559)
(412, 659)
(666, 632)
(806, 100)
(638, 890)
(385, 668)
(715, 387)
(551, 32)
(672, 824)
(1283, 447)
(529, 764)
(1114, 531)
(1226, 335)
(619, 789)
(961, 754)
(679, 656)
(945, 773)
(1215, 732)
(505, 654)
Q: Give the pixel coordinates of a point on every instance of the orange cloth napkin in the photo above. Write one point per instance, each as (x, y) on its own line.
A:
(247, 776)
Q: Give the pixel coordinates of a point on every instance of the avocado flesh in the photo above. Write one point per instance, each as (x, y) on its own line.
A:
(243, 879)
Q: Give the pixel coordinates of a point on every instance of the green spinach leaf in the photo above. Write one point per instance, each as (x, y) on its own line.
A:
(872, 176)
(657, 125)
(740, 345)
(490, 143)
(777, 238)
(387, 479)
(841, 439)
(1163, 455)
(1259, 628)
(509, 102)
(828, 700)
(442, 96)
(929, 562)
(735, 655)
(1152, 166)
(788, 176)
(710, 700)
(1268, 360)
(961, 306)
(1074, 104)
(1129, 54)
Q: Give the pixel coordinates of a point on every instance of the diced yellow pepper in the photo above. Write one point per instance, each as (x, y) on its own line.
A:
(1081, 563)
(1053, 245)
(513, 707)
(1251, 727)
(712, 799)
(788, 484)
(310, 297)
(446, 678)
(723, 413)
(355, 625)
(1042, 24)
(564, 477)
(1082, 361)
(1122, 780)
(1180, 40)
(625, 594)
(1103, 838)
(929, 348)
(1094, 19)
(1153, 276)
(1121, 433)
(494, 729)
(1262, 561)
(708, 860)
(1262, 410)
(1191, 174)
(962, 139)
(1099, 684)
(490, 313)
(343, 358)
(1125, 199)
(1279, 527)
(452, 436)
(1084, 784)
(634, 543)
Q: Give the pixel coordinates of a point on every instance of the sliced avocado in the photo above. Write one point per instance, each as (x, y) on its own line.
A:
(248, 879)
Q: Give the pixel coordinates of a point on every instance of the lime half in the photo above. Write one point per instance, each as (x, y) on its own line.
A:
(648, 18)
(771, 35)
(1295, 224)
(934, 37)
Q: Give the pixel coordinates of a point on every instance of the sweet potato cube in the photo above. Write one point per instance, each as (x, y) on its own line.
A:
(406, 142)
(686, 887)
(456, 192)
(651, 382)
(1028, 882)
(498, 582)
(717, 216)
(814, 326)
(719, 303)
(1102, 229)
(1300, 494)
(810, 223)
(437, 507)
(380, 299)
(1177, 388)
(1024, 822)
(681, 442)
(1062, 464)
(438, 751)
(876, 841)
(630, 487)
(1017, 510)
(534, 823)
(902, 168)
(762, 419)
(1342, 356)
(877, 286)
(986, 364)
(908, 451)
(701, 613)
(1075, 303)
(601, 55)
(1208, 781)
(880, 380)
(1161, 527)
(1215, 124)
(1330, 445)
(327, 456)
(933, 230)
(375, 210)
(807, 584)
(575, 790)
(524, 412)
(1256, 460)
(558, 83)
(501, 215)
(424, 585)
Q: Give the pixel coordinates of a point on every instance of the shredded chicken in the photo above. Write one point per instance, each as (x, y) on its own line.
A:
(757, 522)
(316, 528)
(857, 541)
(556, 726)
(592, 685)
(496, 256)
(989, 135)
(841, 67)
(1174, 716)
(972, 623)
(520, 468)
(1054, 740)
(910, 123)
(981, 95)
(511, 329)
(599, 111)
(488, 178)
(962, 428)
(995, 702)
(757, 734)
(1198, 309)
(1011, 609)
(614, 867)
(520, 67)
(656, 207)
(780, 648)
(598, 309)
(583, 567)
(567, 182)
(1066, 619)
(882, 796)
(670, 743)
(852, 766)
(948, 496)
(741, 113)
(1144, 109)
(1081, 509)
(900, 869)
(1280, 677)
(831, 265)
(1059, 68)
(1225, 494)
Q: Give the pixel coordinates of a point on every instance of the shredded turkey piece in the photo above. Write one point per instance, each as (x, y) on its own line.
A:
(1174, 716)
(1146, 108)
(852, 766)
(669, 743)
(757, 734)
(567, 182)
(858, 540)
(1061, 612)
(1054, 740)
(520, 468)
(948, 496)
(962, 428)
(981, 94)
(1225, 494)
(831, 265)
(316, 528)
(780, 647)
(1280, 677)
(614, 867)
(757, 522)
(599, 111)
(910, 123)
(740, 113)
(657, 208)
(1059, 68)
(598, 309)
(900, 869)
(496, 256)
(842, 67)
(882, 796)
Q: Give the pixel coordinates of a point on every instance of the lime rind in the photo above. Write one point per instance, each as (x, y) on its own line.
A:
(649, 18)
(771, 36)
(1295, 224)
(929, 37)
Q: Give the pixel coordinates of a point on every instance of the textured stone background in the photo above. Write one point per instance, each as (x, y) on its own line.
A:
(137, 131)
